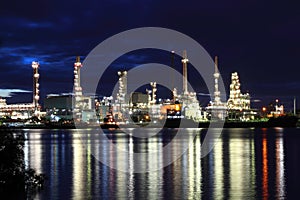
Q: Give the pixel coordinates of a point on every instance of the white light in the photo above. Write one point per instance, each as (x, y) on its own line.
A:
(78, 64)
(35, 64)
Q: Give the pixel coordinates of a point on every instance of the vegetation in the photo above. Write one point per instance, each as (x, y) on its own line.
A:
(15, 180)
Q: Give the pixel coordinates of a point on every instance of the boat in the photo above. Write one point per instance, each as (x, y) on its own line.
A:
(109, 123)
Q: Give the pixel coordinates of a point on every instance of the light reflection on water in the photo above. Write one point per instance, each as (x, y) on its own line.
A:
(245, 163)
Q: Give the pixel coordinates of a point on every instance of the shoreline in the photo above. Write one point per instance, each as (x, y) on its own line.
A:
(284, 123)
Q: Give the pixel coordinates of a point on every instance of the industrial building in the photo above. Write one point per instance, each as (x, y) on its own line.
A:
(238, 103)
(77, 107)
(59, 106)
(190, 105)
(24, 110)
(74, 106)
(217, 109)
(139, 99)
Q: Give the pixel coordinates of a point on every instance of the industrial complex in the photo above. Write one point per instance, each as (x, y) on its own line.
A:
(137, 107)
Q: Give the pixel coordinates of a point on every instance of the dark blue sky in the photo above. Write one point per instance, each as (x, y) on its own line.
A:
(259, 39)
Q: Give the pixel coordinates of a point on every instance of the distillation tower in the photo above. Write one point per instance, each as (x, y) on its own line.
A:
(36, 95)
(237, 100)
(154, 89)
(217, 108)
(121, 96)
(77, 86)
(238, 103)
(190, 104)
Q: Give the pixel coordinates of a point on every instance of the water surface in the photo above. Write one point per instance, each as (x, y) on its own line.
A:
(245, 163)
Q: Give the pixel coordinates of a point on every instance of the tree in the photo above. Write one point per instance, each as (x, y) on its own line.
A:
(15, 180)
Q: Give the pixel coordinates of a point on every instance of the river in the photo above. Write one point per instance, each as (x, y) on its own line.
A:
(244, 163)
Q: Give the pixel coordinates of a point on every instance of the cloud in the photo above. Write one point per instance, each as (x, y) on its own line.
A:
(10, 92)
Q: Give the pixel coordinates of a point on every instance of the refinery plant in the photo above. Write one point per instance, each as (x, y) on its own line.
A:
(137, 108)
(24, 110)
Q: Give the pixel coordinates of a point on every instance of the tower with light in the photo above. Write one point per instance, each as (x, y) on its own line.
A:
(237, 100)
(77, 86)
(154, 89)
(122, 87)
(217, 109)
(36, 95)
(217, 94)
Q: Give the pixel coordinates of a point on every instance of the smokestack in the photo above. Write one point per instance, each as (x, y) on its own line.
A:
(173, 67)
(216, 64)
(184, 70)
(217, 99)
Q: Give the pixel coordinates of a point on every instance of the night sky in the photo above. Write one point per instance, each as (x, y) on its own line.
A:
(258, 39)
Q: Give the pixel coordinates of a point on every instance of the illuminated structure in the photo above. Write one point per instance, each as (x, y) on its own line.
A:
(190, 105)
(2, 102)
(77, 87)
(175, 94)
(217, 109)
(142, 107)
(171, 110)
(238, 104)
(71, 106)
(152, 94)
(16, 111)
(24, 110)
(36, 96)
(59, 106)
(83, 105)
(154, 89)
(184, 72)
(217, 94)
(120, 108)
(121, 96)
(237, 100)
(103, 107)
(279, 110)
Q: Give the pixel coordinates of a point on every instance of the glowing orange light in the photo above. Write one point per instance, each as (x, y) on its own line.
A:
(265, 169)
